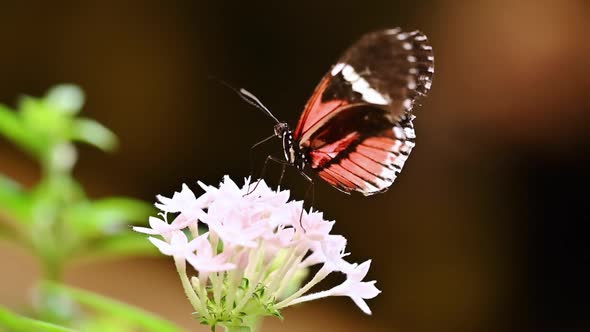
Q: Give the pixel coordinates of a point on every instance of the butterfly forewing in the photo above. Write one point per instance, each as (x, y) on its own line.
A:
(357, 127)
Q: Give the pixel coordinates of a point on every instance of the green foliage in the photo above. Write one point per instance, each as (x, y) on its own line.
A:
(55, 217)
(14, 200)
(41, 126)
(257, 306)
(113, 313)
(12, 322)
(58, 222)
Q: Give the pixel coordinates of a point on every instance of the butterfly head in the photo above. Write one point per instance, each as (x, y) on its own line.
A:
(281, 129)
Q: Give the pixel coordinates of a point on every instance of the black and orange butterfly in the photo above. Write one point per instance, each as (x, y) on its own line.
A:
(356, 130)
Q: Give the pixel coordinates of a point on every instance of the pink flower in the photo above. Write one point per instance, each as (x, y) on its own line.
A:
(313, 229)
(257, 240)
(330, 251)
(197, 252)
(183, 202)
(178, 247)
(163, 228)
(235, 228)
(206, 259)
(240, 219)
(357, 289)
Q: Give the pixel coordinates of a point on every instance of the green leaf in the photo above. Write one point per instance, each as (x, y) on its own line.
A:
(42, 120)
(128, 244)
(107, 216)
(14, 201)
(13, 128)
(93, 133)
(124, 208)
(55, 192)
(110, 307)
(17, 323)
(42, 123)
(66, 98)
(106, 324)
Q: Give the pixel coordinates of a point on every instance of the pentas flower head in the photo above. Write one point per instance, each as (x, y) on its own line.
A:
(251, 248)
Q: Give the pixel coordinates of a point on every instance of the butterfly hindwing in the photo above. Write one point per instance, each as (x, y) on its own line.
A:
(365, 163)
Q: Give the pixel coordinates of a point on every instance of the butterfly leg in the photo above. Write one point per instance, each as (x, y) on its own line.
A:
(310, 189)
(252, 158)
(268, 158)
(282, 174)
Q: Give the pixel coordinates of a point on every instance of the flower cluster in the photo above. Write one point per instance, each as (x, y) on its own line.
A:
(251, 252)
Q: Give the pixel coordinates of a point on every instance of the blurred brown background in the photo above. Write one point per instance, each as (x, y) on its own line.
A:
(485, 230)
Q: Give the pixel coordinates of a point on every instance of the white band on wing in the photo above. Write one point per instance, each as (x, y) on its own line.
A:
(360, 85)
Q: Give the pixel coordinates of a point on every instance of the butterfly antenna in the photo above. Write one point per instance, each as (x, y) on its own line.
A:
(248, 97)
(252, 100)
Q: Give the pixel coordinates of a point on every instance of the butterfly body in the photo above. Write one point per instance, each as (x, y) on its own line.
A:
(294, 154)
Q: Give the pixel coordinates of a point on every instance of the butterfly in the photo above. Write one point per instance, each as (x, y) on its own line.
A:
(356, 130)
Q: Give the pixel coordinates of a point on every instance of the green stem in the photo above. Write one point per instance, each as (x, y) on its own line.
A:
(278, 276)
(50, 246)
(320, 275)
(254, 276)
(189, 290)
(53, 269)
(250, 325)
(234, 279)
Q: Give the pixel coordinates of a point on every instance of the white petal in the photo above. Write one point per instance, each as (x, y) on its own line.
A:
(145, 230)
(362, 305)
(360, 272)
(366, 290)
(164, 247)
